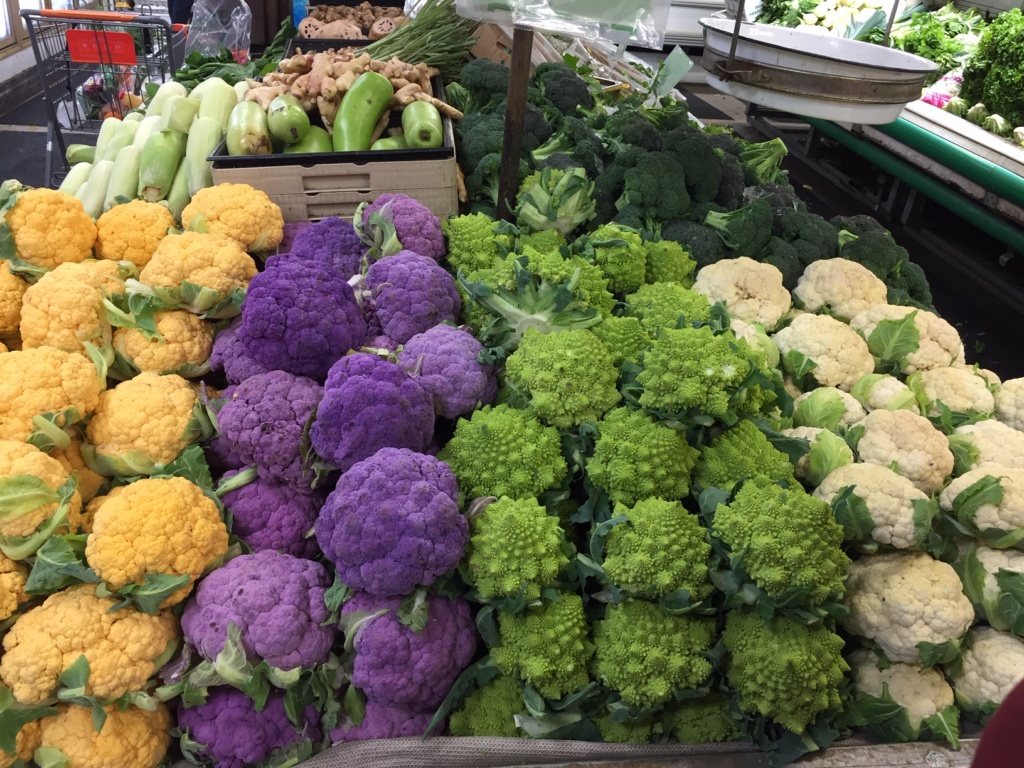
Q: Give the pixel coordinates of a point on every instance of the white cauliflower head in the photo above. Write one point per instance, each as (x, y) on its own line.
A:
(959, 388)
(990, 668)
(751, 291)
(840, 285)
(901, 599)
(892, 502)
(939, 346)
(921, 692)
(991, 442)
(1010, 403)
(828, 408)
(839, 355)
(910, 445)
(993, 506)
(993, 580)
(881, 392)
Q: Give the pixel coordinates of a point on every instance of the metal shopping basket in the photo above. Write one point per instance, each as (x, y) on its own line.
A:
(94, 65)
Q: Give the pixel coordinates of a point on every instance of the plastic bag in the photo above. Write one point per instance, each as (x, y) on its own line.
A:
(220, 24)
(633, 22)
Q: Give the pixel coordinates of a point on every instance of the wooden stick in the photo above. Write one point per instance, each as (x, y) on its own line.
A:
(515, 114)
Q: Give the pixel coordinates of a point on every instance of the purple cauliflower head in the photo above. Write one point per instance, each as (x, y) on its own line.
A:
(277, 603)
(409, 294)
(332, 242)
(415, 227)
(229, 356)
(369, 404)
(444, 357)
(291, 230)
(263, 424)
(234, 734)
(300, 317)
(270, 515)
(386, 722)
(393, 523)
(397, 666)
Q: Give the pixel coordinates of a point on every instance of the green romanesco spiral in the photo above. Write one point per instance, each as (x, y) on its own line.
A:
(705, 720)
(621, 255)
(471, 243)
(660, 305)
(490, 711)
(668, 262)
(623, 337)
(739, 453)
(630, 732)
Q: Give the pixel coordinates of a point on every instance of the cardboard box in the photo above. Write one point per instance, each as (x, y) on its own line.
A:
(492, 43)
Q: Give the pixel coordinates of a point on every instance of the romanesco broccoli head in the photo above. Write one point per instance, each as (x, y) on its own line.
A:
(787, 540)
(629, 732)
(547, 647)
(637, 458)
(545, 241)
(471, 242)
(669, 262)
(623, 337)
(770, 661)
(565, 378)
(501, 451)
(490, 711)
(647, 654)
(474, 314)
(739, 453)
(515, 546)
(620, 254)
(661, 548)
(660, 305)
(705, 721)
(551, 266)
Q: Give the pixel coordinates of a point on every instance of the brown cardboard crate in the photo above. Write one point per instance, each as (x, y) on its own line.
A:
(492, 43)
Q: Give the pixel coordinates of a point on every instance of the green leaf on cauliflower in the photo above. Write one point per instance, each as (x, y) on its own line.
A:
(892, 340)
(50, 757)
(1010, 602)
(48, 429)
(944, 725)
(933, 654)
(965, 453)
(147, 596)
(852, 513)
(59, 563)
(13, 716)
(22, 547)
(823, 407)
(799, 367)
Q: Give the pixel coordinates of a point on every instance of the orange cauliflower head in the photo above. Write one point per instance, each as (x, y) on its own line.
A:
(70, 457)
(62, 312)
(184, 347)
(12, 590)
(12, 289)
(142, 424)
(246, 215)
(156, 525)
(33, 498)
(134, 738)
(123, 647)
(25, 743)
(105, 276)
(132, 231)
(50, 228)
(45, 380)
(210, 261)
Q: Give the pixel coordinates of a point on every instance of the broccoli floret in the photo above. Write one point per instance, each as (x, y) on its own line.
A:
(785, 258)
(630, 128)
(656, 185)
(730, 192)
(647, 654)
(502, 451)
(660, 549)
(762, 162)
(737, 454)
(745, 231)
(537, 129)
(668, 115)
(609, 184)
(632, 217)
(565, 378)
(779, 196)
(878, 252)
(702, 243)
(705, 721)
(771, 660)
(566, 90)
(629, 732)
(558, 162)
(484, 183)
(515, 547)
(480, 135)
(858, 225)
(490, 711)
(913, 282)
(702, 167)
(669, 262)
(623, 337)
(664, 305)
(547, 646)
(471, 244)
(796, 557)
(620, 253)
(487, 83)
(576, 140)
(551, 199)
(811, 235)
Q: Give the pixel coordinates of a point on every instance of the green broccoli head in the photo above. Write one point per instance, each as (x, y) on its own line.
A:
(787, 542)
(631, 128)
(515, 547)
(502, 451)
(779, 196)
(858, 224)
(660, 549)
(811, 235)
(702, 166)
(560, 85)
(702, 243)
(480, 135)
(878, 252)
(662, 305)
(647, 655)
(910, 288)
(566, 378)
(490, 711)
(486, 81)
(739, 453)
(483, 184)
(785, 258)
(730, 191)
(637, 458)
(547, 646)
(745, 231)
(669, 262)
(553, 199)
(471, 243)
(623, 337)
(621, 255)
(769, 661)
(630, 732)
(706, 720)
(656, 185)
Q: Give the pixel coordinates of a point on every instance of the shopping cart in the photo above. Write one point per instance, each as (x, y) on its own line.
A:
(94, 65)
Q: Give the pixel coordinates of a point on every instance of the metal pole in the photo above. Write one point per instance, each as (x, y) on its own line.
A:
(736, 35)
(892, 20)
(515, 114)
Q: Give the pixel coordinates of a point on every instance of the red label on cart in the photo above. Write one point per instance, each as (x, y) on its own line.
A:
(90, 46)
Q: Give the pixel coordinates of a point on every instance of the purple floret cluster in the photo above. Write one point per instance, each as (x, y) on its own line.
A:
(331, 242)
(381, 721)
(230, 358)
(414, 227)
(271, 515)
(409, 294)
(444, 358)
